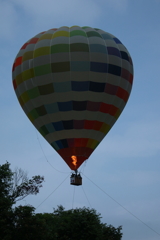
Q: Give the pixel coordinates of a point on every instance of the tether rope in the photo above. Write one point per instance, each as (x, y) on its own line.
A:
(122, 206)
(86, 197)
(46, 156)
(73, 197)
(52, 192)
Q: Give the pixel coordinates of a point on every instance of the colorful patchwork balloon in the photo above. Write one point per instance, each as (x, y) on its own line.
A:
(73, 83)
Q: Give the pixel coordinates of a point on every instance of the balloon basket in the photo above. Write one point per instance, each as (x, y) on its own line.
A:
(76, 179)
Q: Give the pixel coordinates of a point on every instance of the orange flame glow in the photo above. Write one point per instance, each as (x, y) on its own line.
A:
(74, 158)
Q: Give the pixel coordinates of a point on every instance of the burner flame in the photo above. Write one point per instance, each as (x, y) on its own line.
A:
(74, 162)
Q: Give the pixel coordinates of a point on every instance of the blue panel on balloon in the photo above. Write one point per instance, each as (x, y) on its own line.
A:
(59, 143)
(99, 67)
(65, 106)
(80, 66)
(55, 146)
(115, 70)
(96, 87)
(80, 86)
(58, 126)
(117, 40)
(62, 86)
(97, 48)
(125, 56)
(68, 124)
(106, 36)
(113, 51)
(50, 127)
(52, 108)
(64, 143)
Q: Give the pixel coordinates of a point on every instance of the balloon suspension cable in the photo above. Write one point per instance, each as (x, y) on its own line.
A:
(133, 215)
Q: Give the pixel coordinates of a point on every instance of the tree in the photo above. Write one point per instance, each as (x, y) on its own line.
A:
(80, 223)
(22, 186)
(26, 225)
(111, 233)
(6, 201)
(22, 223)
(14, 186)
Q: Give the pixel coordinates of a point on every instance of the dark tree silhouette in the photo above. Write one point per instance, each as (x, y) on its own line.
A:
(22, 223)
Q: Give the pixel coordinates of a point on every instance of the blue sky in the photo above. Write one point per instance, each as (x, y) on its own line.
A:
(126, 164)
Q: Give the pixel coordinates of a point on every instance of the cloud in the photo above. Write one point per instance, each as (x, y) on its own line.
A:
(8, 19)
(60, 13)
(39, 15)
(143, 209)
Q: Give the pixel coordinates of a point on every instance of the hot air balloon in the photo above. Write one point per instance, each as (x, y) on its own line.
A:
(73, 83)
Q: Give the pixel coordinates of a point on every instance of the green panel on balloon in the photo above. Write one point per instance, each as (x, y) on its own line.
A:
(93, 34)
(77, 33)
(42, 70)
(33, 93)
(60, 48)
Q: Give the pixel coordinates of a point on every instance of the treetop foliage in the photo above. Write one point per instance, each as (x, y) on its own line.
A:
(23, 223)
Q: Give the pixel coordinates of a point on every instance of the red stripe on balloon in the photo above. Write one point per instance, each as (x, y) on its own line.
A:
(88, 124)
(131, 78)
(77, 142)
(13, 67)
(24, 46)
(95, 125)
(108, 108)
(125, 74)
(123, 94)
(18, 61)
(32, 41)
(14, 84)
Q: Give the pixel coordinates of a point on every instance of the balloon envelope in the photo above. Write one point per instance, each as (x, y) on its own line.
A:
(73, 84)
